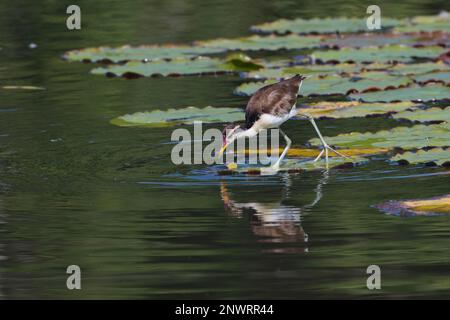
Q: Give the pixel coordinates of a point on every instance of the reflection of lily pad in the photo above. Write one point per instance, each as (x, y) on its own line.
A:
(262, 43)
(334, 84)
(433, 206)
(391, 53)
(180, 116)
(431, 114)
(413, 93)
(350, 109)
(438, 156)
(418, 136)
(201, 65)
(327, 25)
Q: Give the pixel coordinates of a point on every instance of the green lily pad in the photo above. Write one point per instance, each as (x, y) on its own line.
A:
(287, 72)
(297, 165)
(352, 109)
(417, 68)
(438, 156)
(418, 136)
(442, 77)
(435, 23)
(256, 42)
(392, 53)
(141, 53)
(327, 25)
(431, 114)
(200, 65)
(179, 116)
(382, 39)
(334, 84)
(428, 92)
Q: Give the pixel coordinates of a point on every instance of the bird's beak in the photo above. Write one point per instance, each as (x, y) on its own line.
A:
(222, 150)
(305, 77)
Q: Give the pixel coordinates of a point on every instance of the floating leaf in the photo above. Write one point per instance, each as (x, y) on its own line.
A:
(399, 69)
(435, 23)
(22, 88)
(141, 53)
(287, 72)
(417, 68)
(350, 109)
(390, 53)
(418, 136)
(413, 93)
(433, 206)
(431, 114)
(201, 65)
(438, 156)
(309, 153)
(327, 25)
(442, 77)
(381, 39)
(256, 42)
(334, 84)
(295, 166)
(179, 116)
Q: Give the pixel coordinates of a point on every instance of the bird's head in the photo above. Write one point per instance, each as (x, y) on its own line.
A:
(228, 136)
(299, 77)
(297, 80)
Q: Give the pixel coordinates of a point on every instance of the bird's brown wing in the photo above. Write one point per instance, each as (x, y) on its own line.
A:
(276, 99)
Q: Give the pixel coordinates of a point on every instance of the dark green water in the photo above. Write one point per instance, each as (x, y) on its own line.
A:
(76, 190)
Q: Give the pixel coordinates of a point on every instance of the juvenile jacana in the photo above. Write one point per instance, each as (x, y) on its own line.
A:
(270, 107)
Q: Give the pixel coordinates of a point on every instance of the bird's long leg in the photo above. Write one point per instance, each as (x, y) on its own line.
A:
(276, 166)
(325, 145)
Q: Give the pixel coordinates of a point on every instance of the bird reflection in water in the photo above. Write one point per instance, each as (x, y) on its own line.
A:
(275, 222)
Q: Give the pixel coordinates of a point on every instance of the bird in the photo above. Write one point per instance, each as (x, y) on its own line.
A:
(270, 107)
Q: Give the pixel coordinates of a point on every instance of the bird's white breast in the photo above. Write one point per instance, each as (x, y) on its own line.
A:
(267, 121)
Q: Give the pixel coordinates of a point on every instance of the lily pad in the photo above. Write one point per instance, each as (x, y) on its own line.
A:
(22, 88)
(200, 65)
(382, 39)
(416, 137)
(392, 53)
(437, 156)
(334, 84)
(310, 153)
(351, 109)
(141, 53)
(417, 68)
(327, 25)
(431, 114)
(434, 23)
(179, 116)
(433, 206)
(428, 92)
(316, 69)
(256, 42)
(442, 77)
(296, 166)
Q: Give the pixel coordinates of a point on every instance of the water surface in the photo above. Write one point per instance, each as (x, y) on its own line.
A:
(75, 189)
